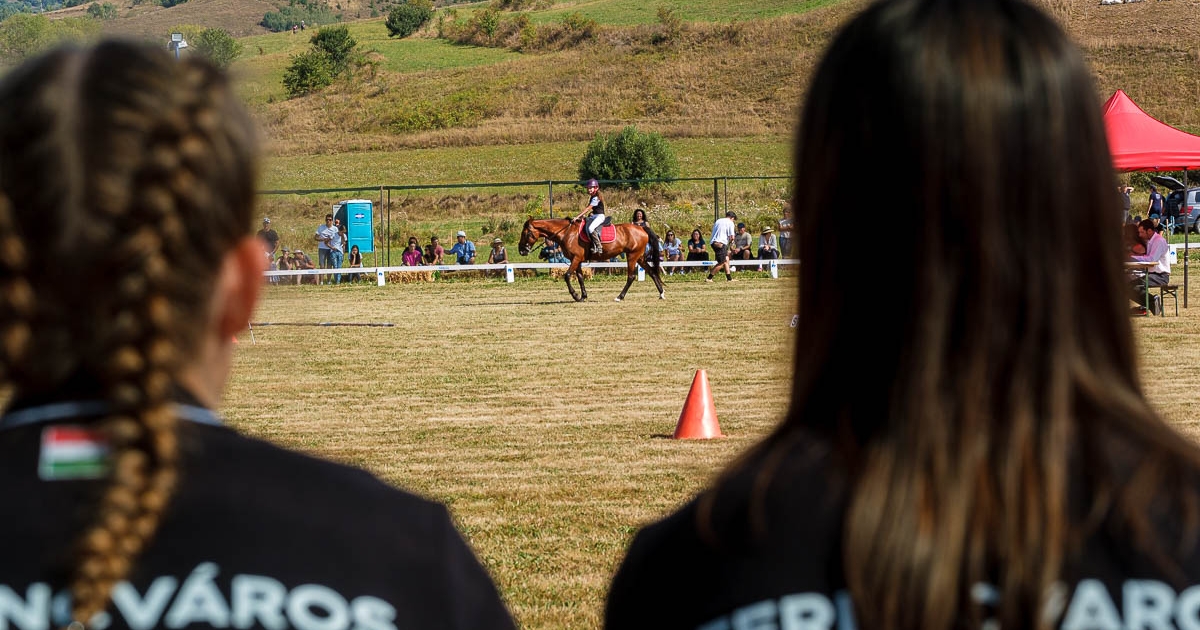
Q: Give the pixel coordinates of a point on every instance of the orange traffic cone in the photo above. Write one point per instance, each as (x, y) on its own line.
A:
(698, 420)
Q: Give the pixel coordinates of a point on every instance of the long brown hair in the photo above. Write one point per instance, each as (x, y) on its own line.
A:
(125, 176)
(994, 351)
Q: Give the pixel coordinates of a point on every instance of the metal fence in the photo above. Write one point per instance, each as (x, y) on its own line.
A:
(693, 197)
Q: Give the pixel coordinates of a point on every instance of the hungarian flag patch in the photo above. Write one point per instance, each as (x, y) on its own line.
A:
(72, 452)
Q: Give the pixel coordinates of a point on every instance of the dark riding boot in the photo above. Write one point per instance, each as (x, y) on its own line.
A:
(597, 246)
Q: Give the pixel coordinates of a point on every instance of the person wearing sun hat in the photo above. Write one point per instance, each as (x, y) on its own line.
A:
(498, 256)
(768, 246)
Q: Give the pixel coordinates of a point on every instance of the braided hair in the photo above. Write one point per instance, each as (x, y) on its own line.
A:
(125, 177)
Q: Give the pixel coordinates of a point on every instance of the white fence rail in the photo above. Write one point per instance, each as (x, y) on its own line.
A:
(380, 273)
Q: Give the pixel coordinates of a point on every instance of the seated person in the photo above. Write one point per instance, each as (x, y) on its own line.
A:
(551, 252)
(355, 260)
(1133, 243)
(1158, 252)
(768, 247)
(284, 263)
(695, 248)
(412, 256)
(672, 248)
(498, 255)
(739, 248)
(434, 252)
(300, 260)
(463, 250)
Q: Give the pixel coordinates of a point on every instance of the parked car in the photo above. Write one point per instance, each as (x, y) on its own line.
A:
(1172, 206)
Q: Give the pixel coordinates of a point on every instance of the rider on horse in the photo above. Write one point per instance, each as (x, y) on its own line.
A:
(596, 205)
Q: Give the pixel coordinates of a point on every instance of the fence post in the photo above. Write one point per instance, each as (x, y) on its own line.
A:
(550, 196)
(641, 274)
(716, 200)
(379, 278)
(774, 269)
(508, 273)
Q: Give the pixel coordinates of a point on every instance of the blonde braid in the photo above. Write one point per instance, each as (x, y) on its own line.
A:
(144, 349)
(16, 296)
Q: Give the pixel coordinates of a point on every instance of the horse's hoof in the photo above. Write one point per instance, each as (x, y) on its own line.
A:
(617, 299)
(662, 296)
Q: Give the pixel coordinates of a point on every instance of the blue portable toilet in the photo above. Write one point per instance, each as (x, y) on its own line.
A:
(356, 215)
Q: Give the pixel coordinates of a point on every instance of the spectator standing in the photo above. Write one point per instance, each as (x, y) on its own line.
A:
(323, 235)
(986, 464)
(1126, 202)
(337, 248)
(127, 481)
(269, 237)
(722, 233)
(463, 250)
(785, 230)
(1156, 203)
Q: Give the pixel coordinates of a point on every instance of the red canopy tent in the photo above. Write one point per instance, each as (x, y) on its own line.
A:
(1141, 143)
(1138, 142)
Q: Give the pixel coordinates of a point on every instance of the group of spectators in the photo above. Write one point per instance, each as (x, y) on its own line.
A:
(738, 245)
(331, 239)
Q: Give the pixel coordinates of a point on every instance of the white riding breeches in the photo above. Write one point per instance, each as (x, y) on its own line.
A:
(594, 222)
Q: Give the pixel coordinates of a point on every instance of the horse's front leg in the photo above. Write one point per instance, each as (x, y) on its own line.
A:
(582, 287)
(567, 278)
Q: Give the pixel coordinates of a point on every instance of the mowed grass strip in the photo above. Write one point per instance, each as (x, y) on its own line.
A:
(543, 423)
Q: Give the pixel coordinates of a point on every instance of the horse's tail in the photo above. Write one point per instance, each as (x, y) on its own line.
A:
(655, 255)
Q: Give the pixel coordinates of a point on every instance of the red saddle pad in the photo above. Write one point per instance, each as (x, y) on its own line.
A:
(608, 233)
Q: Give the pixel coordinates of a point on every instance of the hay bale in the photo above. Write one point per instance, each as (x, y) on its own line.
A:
(557, 272)
(407, 277)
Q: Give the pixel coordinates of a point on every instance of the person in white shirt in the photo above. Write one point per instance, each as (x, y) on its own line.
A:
(723, 231)
(324, 232)
(1157, 251)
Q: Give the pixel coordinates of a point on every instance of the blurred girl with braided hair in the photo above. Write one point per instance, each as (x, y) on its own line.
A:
(137, 509)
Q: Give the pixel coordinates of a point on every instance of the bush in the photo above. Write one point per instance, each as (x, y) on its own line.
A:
(405, 18)
(104, 11)
(337, 44)
(308, 72)
(310, 12)
(218, 46)
(629, 154)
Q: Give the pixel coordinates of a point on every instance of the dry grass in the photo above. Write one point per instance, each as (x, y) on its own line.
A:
(547, 437)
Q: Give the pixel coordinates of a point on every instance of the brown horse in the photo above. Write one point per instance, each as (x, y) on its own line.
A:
(631, 240)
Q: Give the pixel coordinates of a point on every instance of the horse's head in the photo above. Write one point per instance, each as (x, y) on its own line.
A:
(529, 236)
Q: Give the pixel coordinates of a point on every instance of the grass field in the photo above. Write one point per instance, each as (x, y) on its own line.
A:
(542, 423)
